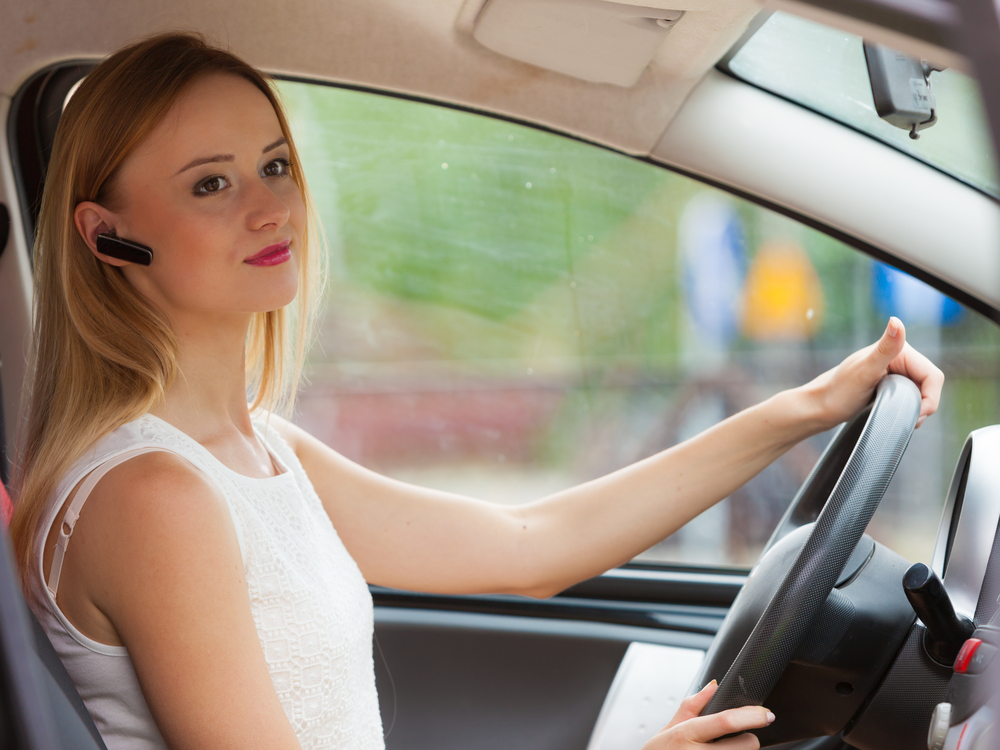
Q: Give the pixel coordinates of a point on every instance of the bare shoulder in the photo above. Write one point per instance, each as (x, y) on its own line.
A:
(153, 506)
(160, 525)
(162, 512)
(150, 488)
(158, 488)
(149, 521)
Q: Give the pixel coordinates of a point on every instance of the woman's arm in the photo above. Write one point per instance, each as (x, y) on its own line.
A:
(414, 538)
(155, 553)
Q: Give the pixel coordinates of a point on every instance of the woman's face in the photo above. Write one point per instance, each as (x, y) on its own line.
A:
(210, 191)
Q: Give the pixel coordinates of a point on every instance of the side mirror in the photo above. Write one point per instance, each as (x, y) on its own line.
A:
(901, 88)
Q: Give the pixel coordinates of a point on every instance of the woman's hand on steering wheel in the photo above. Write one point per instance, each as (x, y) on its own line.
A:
(843, 391)
(688, 729)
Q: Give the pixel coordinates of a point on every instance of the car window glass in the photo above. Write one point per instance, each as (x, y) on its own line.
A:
(824, 69)
(511, 312)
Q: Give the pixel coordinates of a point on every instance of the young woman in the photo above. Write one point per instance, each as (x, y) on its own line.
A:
(211, 592)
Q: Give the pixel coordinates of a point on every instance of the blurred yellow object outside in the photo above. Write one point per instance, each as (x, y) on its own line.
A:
(782, 296)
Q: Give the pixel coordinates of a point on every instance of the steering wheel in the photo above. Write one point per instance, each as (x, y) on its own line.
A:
(803, 561)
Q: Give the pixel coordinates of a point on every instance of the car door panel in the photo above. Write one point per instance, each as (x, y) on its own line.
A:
(450, 679)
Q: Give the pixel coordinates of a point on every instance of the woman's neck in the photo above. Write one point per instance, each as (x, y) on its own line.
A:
(208, 398)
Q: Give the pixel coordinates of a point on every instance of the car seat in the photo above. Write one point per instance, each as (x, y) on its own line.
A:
(39, 705)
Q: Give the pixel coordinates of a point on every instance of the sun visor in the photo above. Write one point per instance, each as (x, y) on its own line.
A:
(597, 41)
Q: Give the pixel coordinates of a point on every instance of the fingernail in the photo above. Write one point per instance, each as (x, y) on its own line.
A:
(893, 326)
(770, 717)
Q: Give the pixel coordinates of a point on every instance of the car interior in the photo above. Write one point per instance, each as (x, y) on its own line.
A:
(564, 235)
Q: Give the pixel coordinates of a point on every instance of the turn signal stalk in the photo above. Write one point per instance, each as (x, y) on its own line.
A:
(946, 630)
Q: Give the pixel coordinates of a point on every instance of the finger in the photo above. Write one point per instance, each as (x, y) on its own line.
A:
(693, 705)
(705, 728)
(925, 374)
(930, 389)
(889, 347)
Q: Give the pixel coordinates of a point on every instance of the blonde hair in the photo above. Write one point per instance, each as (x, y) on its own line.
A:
(102, 354)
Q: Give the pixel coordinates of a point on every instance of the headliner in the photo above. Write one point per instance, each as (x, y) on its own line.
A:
(417, 47)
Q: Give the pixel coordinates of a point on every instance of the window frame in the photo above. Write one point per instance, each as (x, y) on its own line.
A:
(708, 590)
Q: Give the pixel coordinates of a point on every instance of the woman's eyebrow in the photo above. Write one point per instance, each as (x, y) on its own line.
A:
(206, 160)
(227, 157)
(279, 142)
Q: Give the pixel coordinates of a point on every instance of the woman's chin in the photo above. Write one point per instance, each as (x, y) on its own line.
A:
(270, 305)
(275, 296)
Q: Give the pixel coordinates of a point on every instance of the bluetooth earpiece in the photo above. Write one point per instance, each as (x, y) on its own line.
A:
(110, 244)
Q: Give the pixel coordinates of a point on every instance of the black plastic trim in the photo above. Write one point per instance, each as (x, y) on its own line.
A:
(23, 154)
(686, 618)
(561, 627)
(30, 131)
(956, 511)
(662, 584)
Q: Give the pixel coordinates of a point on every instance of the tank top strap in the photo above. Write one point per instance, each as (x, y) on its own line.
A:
(73, 512)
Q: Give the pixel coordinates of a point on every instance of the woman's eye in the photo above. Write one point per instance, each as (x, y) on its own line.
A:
(212, 185)
(276, 168)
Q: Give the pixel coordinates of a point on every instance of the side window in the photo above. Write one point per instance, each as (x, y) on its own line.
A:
(512, 312)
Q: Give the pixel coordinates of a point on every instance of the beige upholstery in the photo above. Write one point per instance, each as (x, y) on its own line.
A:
(421, 47)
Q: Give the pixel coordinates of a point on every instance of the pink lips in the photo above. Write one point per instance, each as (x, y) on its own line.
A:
(272, 255)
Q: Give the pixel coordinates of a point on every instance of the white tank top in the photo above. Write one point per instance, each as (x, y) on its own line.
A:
(309, 601)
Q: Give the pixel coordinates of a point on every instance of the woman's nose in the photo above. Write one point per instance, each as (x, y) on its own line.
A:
(265, 206)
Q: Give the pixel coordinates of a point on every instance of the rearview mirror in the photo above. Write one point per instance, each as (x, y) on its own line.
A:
(901, 88)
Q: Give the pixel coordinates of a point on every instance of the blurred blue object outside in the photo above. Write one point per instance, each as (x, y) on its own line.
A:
(712, 249)
(911, 300)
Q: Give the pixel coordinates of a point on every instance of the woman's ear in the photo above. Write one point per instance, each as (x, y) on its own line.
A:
(92, 219)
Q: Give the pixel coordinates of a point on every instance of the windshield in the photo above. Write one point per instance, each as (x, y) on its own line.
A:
(824, 69)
